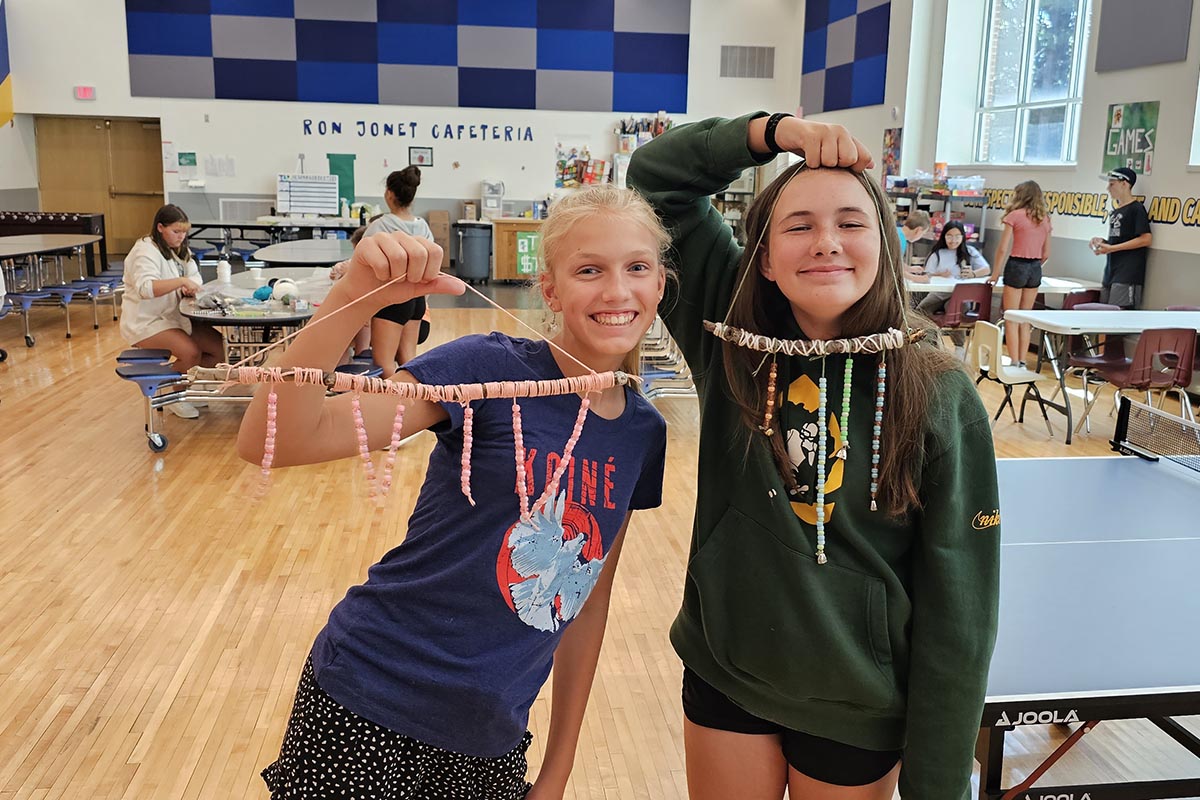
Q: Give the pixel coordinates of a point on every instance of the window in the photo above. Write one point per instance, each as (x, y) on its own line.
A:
(1032, 83)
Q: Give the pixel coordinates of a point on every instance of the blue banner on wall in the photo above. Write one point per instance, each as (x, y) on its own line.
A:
(845, 54)
(586, 55)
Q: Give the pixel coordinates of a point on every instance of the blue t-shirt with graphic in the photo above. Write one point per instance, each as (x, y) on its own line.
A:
(453, 635)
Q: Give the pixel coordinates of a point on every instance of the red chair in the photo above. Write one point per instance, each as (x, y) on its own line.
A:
(1168, 360)
(1148, 370)
(968, 303)
(1082, 354)
(1082, 296)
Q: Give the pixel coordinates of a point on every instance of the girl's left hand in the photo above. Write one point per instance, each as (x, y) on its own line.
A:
(823, 145)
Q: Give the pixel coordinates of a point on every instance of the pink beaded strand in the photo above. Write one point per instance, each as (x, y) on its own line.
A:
(519, 451)
(552, 485)
(364, 450)
(269, 442)
(273, 376)
(468, 420)
(390, 461)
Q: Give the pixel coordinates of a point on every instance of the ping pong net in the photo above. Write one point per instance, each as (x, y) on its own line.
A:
(1152, 434)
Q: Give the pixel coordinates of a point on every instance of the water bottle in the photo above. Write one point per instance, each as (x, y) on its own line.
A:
(224, 271)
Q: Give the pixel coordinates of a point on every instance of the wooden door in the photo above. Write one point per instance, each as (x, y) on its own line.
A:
(73, 164)
(107, 166)
(136, 179)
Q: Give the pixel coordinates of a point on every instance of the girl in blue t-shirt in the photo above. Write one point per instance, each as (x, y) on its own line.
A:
(420, 684)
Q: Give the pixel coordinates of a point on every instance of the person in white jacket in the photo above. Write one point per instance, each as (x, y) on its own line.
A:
(159, 270)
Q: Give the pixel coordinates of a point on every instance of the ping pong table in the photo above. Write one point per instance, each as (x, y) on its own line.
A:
(1099, 603)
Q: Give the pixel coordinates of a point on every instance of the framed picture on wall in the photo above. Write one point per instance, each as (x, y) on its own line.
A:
(421, 156)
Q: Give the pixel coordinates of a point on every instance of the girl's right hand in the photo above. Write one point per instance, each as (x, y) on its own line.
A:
(823, 145)
(414, 265)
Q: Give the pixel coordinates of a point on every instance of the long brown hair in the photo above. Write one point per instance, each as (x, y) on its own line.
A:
(166, 216)
(762, 308)
(1028, 195)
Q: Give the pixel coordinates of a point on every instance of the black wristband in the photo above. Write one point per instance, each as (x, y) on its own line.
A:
(769, 132)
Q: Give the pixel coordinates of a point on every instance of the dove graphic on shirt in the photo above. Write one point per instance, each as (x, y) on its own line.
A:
(548, 565)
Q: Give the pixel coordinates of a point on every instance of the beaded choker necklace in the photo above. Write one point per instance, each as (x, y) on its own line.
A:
(872, 344)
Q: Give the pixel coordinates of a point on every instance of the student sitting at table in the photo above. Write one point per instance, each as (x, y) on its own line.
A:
(953, 259)
(916, 226)
(159, 270)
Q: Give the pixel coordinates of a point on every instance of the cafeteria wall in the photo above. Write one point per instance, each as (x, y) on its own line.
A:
(937, 111)
(57, 44)
(18, 164)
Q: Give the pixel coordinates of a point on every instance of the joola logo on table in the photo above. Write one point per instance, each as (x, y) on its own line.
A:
(1036, 718)
(1084, 796)
(984, 520)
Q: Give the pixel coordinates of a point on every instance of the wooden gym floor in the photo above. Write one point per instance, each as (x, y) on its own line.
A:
(154, 616)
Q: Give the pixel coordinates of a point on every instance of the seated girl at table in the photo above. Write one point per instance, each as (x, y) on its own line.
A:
(159, 270)
(952, 258)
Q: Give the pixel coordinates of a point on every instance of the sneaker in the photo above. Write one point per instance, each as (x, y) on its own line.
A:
(1021, 364)
(184, 410)
(198, 403)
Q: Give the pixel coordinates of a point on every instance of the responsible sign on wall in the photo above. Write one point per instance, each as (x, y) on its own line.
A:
(1129, 140)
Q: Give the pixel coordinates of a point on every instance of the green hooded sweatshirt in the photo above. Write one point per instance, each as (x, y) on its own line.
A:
(886, 646)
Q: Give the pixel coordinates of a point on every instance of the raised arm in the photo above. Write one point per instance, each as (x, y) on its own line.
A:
(312, 428)
(679, 171)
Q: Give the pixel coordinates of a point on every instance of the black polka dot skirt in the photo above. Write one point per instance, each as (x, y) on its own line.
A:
(331, 752)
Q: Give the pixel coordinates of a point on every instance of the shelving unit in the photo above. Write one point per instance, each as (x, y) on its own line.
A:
(973, 206)
(735, 200)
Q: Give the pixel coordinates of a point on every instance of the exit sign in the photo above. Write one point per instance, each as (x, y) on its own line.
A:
(85, 92)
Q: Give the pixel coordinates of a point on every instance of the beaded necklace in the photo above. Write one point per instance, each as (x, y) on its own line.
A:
(585, 385)
(872, 344)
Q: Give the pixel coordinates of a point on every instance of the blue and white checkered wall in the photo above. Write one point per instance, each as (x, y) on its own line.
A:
(578, 55)
(845, 54)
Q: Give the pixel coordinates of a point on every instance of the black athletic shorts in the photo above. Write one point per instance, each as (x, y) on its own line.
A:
(401, 313)
(1023, 273)
(820, 759)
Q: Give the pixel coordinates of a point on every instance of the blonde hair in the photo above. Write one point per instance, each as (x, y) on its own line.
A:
(586, 204)
(1028, 195)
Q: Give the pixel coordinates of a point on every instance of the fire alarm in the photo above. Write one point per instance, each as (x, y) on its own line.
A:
(85, 92)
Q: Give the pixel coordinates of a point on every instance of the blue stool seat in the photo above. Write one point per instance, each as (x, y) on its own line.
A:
(144, 355)
(353, 368)
(365, 356)
(25, 299)
(149, 377)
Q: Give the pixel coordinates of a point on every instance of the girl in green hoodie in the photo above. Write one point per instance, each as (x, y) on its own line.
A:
(829, 648)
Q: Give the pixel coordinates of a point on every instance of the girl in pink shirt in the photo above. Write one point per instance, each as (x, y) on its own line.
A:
(1024, 247)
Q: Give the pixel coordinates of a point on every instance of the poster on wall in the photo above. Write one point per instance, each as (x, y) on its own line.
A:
(891, 151)
(1129, 140)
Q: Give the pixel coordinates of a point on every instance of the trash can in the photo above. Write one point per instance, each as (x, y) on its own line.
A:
(474, 251)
